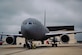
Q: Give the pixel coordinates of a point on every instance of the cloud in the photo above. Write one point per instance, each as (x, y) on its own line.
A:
(65, 12)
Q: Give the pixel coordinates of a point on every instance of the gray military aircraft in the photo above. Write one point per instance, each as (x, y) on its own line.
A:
(33, 30)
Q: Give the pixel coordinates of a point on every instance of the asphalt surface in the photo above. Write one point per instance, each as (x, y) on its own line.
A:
(62, 49)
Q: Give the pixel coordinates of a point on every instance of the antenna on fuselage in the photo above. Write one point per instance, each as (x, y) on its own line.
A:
(45, 18)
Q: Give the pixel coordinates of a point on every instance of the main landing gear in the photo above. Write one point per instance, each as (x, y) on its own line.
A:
(54, 42)
(29, 44)
(54, 45)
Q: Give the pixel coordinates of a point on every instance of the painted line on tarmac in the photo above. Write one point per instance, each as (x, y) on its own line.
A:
(16, 52)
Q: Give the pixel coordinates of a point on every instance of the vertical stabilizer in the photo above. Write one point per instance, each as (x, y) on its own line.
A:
(45, 18)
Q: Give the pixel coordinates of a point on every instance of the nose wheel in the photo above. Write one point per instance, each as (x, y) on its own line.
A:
(54, 45)
(29, 44)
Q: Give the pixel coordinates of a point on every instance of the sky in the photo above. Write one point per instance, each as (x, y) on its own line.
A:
(58, 13)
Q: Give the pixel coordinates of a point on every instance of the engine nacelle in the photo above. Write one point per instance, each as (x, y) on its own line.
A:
(10, 40)
(65, 38)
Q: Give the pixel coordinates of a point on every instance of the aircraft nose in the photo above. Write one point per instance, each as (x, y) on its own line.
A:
(25, 28)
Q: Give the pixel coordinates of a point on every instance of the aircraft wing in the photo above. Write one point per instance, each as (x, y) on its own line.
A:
(17, 35)
(57, 33)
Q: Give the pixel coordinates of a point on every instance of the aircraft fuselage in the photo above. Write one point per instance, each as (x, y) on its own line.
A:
(33, 29)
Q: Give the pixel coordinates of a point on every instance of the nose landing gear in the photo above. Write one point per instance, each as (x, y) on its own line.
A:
(54, 44)
(29, 44)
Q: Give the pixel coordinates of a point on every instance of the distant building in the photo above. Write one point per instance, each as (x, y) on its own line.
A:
(79, 41)
(57, 28)
(69, 39)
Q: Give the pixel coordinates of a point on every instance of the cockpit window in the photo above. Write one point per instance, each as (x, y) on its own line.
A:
(30, 23)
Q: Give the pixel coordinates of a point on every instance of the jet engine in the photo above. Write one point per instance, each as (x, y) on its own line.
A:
(65, 38)
(10, 40)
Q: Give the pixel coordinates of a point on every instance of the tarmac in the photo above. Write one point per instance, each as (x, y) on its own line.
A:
(62, 49)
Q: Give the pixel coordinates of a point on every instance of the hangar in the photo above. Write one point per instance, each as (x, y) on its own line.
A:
(65, 38)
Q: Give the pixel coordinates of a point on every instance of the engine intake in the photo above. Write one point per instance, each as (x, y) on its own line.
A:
(10, 40)
(65, 38)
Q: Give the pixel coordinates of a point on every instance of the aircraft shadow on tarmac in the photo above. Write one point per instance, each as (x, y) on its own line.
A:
(38, 47)
(44, 47)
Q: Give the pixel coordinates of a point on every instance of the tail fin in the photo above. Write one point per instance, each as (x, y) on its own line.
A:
(45, 18)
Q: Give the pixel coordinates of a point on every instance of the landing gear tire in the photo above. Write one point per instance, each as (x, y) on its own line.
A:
(52, 45)
(56, 45)
(28, 44)
(33, 46)
(24, 45)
